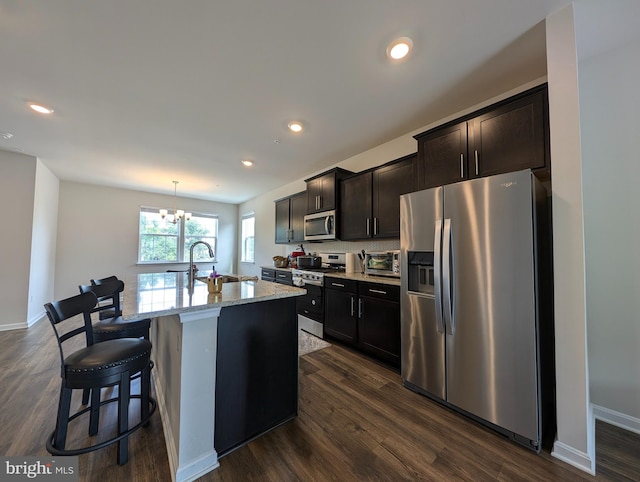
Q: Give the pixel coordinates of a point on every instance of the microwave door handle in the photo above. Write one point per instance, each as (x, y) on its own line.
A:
(327, 224)
(437, 275)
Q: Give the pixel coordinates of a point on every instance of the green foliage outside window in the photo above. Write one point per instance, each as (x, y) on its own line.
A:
(163, 241)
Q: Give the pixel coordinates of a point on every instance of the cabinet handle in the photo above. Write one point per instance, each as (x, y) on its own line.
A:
(360, 308)
(377, 291)
(340, 285)
(317, 202)
(461, 166)
(476, 162)
(375, 226)
(353, 308)
(368, 230)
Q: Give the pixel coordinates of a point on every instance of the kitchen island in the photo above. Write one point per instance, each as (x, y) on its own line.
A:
(226, 364)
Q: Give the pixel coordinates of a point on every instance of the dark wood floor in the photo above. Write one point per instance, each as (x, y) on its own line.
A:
(356, 422)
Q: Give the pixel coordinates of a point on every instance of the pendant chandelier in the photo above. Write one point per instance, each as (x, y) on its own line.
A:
(178, 214)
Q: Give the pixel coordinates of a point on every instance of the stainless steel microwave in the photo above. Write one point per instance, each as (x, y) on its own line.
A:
(382, 263)
(320, 226)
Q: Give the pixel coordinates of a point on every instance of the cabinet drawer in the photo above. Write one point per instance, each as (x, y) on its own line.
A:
(379, 290)
(341, 284)
(268, 274)
(284, 277)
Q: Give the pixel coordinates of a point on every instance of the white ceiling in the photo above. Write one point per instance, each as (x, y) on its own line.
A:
(149, 91)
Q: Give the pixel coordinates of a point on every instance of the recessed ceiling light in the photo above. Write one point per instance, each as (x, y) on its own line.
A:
(399, 48)
(40, 108)
(295, 126)
(6, 135)
(247, 162)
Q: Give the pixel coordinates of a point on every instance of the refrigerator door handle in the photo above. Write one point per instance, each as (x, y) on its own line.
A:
(437, 275)
(447, 294)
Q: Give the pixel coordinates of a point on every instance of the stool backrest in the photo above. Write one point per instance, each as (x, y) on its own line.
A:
(108, 290)
(69, 309)
(104, 280)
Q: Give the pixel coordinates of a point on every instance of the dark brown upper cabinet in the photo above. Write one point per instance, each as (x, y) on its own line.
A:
(442, 155)
(508, 136)
(370, 201)
(322, 192)
(290, 213)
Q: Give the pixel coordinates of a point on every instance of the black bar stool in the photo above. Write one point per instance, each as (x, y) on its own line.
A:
(98, 365)
(111, 325)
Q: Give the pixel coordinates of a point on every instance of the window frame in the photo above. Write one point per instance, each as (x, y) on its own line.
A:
(243, 254)
(181, 235)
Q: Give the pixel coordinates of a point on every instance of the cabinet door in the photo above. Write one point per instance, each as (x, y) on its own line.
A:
(442, 156)
(388, 184)
(314, 192)
(321, 193)
(282, 221)
(355, 207)
(379, 328)
(509, 138)
(297, 210)
(339, 315)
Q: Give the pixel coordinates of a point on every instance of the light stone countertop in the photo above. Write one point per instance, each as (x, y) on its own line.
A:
(385, 280)
(150, 295)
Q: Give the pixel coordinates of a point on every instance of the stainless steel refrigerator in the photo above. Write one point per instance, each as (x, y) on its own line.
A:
(475, 287)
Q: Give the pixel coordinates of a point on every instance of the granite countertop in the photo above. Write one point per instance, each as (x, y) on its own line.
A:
(385, 280)
(149, 295)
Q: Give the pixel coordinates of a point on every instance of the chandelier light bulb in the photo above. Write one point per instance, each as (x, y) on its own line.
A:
(178, 214)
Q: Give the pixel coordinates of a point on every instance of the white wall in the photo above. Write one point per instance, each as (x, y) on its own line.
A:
(575, 435)
(98, 233)
(610, 104)
(17, 185)
(43, 242)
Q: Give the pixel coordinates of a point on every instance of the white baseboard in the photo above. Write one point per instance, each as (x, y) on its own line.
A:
(574, 457)
(40, 316)
(618, 419)
(14, 326)
(25, 324)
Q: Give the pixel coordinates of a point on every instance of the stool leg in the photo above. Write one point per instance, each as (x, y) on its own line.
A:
(85, 396)
(94, 413)
(145, 389)
(64, 405)
(123, 417)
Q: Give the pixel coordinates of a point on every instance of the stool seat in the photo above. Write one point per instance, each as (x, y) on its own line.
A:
(115, 328)
(103, 363)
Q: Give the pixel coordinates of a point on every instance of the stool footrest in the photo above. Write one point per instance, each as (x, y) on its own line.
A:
(83, 450)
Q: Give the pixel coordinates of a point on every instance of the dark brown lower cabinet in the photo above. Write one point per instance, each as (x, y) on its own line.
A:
(364, 315)
(379, 321)
(340, 320)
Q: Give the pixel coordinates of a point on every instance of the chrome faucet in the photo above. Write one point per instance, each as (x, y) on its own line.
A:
(192, 274)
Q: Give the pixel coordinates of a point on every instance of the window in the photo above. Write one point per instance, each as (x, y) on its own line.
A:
(164, 242)
(248, 238)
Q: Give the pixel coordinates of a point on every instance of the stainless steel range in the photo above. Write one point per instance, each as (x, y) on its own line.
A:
(310, 307)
